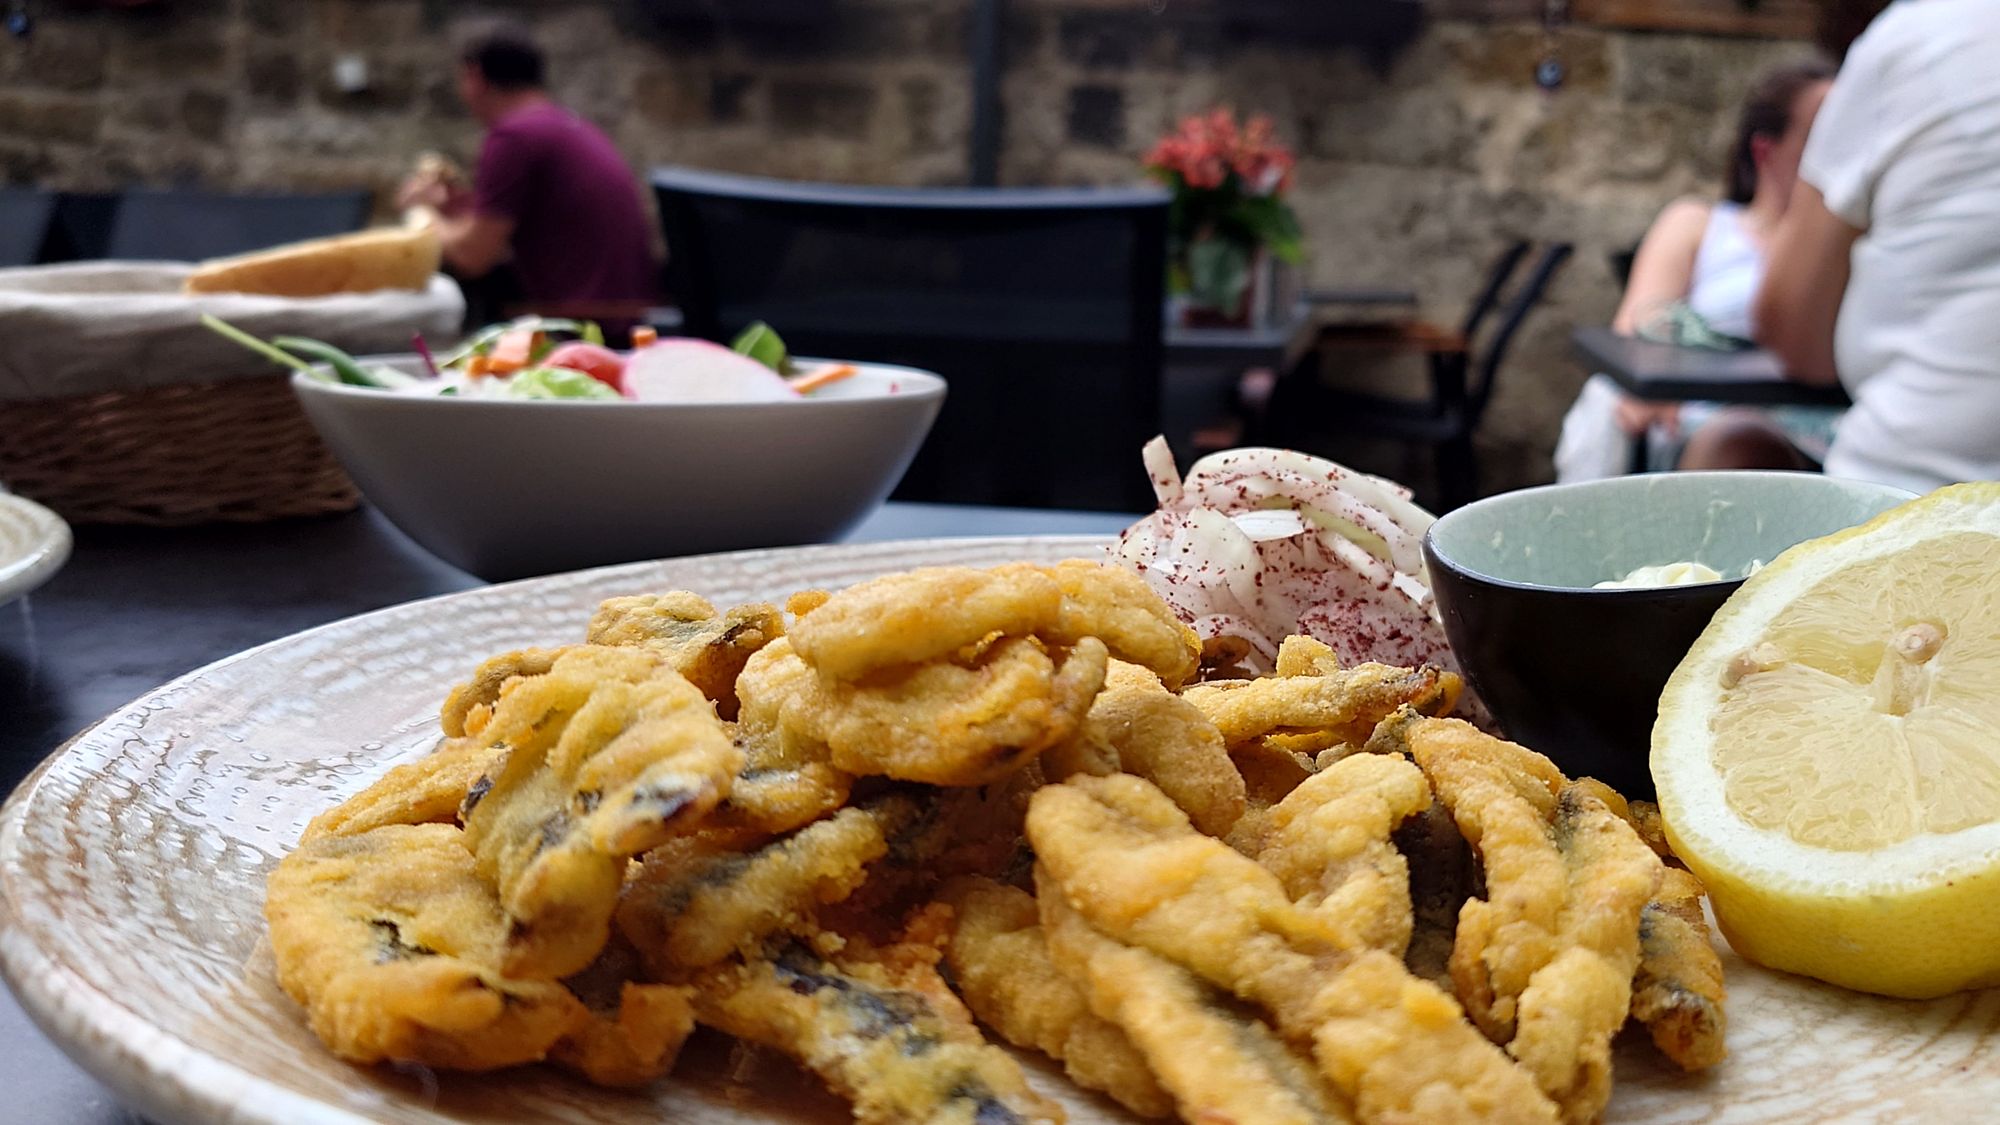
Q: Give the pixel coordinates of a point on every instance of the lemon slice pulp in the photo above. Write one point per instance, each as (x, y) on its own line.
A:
(1828, 754)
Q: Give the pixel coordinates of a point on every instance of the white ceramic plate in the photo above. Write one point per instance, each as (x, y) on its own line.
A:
(34, 543)
(132, 868)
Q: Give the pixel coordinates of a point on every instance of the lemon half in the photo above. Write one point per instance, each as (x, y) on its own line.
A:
(1828, 753)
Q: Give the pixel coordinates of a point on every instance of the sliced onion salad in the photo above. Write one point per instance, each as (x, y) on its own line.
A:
(1259, 544)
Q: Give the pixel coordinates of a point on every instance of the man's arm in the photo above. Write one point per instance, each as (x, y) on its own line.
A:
(474, 243)
(1804, 281)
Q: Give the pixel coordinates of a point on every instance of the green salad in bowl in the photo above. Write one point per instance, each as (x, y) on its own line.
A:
(547, 358)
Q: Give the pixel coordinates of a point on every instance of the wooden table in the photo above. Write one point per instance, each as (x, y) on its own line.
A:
(137, 607)
(1660, 372)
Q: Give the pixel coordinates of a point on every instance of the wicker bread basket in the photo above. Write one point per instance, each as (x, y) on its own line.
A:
(116, 406)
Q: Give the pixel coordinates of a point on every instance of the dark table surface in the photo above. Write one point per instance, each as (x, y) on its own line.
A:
(1667, 372)
(137, 607)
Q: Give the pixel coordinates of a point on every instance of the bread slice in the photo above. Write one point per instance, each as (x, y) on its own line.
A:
(389, 258)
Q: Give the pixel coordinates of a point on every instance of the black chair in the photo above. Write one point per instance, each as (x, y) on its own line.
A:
(184, 225)
(1303, 410)
(24, 224)
(1041, 307)
(80, 230)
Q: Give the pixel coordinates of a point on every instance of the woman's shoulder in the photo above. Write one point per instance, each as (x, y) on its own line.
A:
(1683, 222)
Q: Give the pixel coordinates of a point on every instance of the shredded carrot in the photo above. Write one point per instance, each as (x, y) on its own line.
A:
(475, 365)
(814, 380)
(511, 351)
(644, 336)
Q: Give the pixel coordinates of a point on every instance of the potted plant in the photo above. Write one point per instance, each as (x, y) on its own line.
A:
(1229, 223)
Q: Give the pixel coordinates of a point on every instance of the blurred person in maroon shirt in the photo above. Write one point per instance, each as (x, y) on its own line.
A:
(551, 193)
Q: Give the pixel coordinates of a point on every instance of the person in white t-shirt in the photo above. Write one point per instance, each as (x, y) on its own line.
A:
(1885, 272)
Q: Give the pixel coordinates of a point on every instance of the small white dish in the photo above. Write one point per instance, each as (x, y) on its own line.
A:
(34, 544)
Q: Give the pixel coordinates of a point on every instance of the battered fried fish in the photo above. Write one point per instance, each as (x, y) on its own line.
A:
(392, 943)
(1002, 968)
(429, 790)
(788, 779)
(947, 723)
(610, 753)
(1678, 991)
(706, 647)
(1129, 861)
(886, 1035)
(922, 614)
(692, 904)
(1345, 704)
(1329, 846)
(1443, 874)
(1117, 607)
(470, 704)
(634, 1031)
(1218, 1064)
(1544, 963)
(1136, 726)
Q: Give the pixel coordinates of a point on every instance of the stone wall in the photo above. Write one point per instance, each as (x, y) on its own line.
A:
(1415, 173)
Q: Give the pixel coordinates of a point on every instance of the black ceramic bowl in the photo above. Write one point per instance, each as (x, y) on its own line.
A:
(1576, 672)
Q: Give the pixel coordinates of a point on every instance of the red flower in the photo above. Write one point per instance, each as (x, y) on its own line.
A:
(1204, 150)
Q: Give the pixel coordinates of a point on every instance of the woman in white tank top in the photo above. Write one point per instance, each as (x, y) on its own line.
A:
(1694, 280)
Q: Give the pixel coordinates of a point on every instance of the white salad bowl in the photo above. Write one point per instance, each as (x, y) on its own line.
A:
(507, 488)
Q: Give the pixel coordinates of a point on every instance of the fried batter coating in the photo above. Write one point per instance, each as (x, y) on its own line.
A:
(1329, 845)
(787, 779)
(706, 647)
(1130, 862)
(1300, 655)
(392, 942)
(1544, 963)
(426, 791)
(1218, 1064)
(470, 704)
(1001, 965)
(923, 614)
(1117, 607)
(1678, 991)
(610, 753)
(885, 1033)
(692, 905)
(634, 1030)
(1345, 704)
(1136, 726)
(946, 723)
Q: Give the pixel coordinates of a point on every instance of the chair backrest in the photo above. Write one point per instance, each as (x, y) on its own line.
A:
(81, 228)
(183, 225)
(1516, 309)
(24, 224)
(1042, 309)
(1497, 277)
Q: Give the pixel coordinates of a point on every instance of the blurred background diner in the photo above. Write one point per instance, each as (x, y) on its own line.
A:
(1389, 227)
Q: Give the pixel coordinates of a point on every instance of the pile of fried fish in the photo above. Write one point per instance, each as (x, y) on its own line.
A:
(873, 829)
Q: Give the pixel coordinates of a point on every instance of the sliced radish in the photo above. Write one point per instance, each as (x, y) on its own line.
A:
(683, 370)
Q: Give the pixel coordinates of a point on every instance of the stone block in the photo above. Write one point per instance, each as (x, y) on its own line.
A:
(152, 49)
(62, 54)
(1114, 39)
(729, 97)
(822, 107)
(672, 95)
(1703, 73)
(50, 117)
(1096, 116)
(271, 75)
(205, 114)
